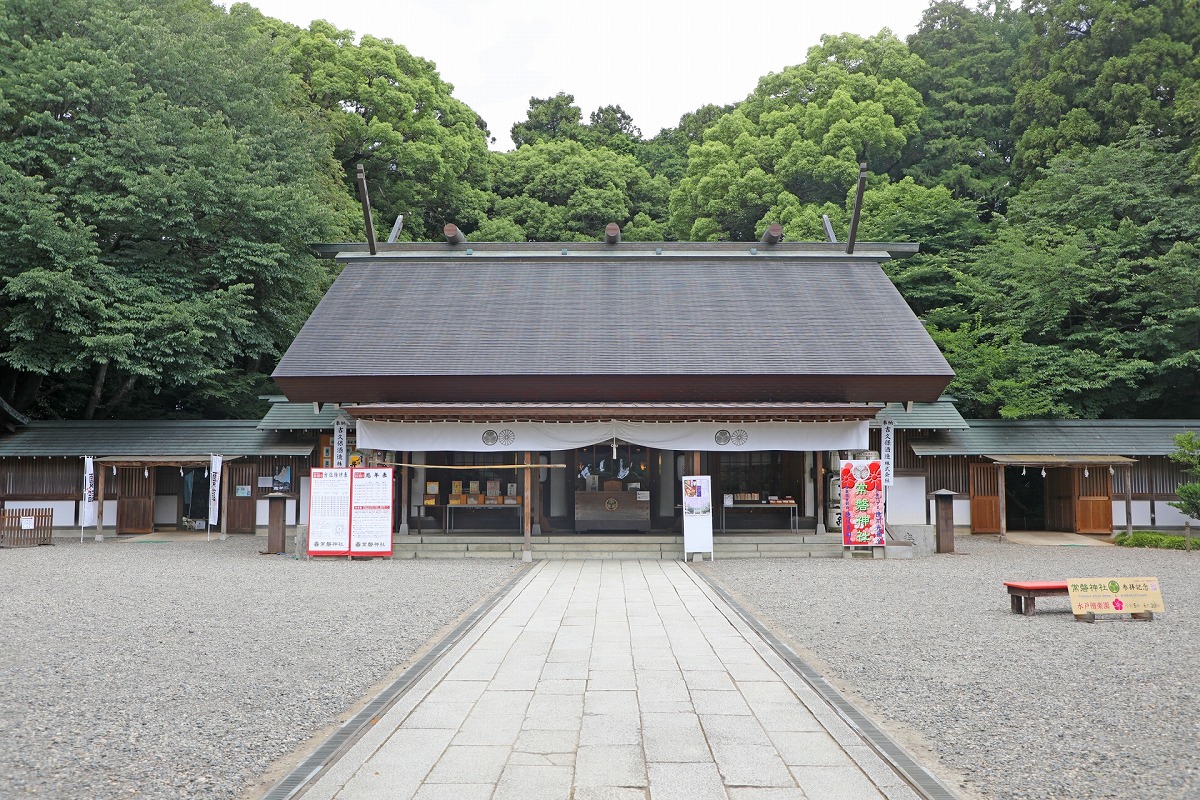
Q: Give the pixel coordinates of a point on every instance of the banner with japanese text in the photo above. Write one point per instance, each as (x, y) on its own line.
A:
(340, 429)
(214, 489)
(88, 511)
(887, 450)
(862, 503)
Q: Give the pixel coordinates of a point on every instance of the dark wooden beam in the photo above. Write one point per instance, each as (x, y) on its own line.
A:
(453, 234)
(363, 197)
(858, 197)
(772, 234)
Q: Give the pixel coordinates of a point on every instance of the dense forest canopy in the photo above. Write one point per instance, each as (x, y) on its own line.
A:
(163, 166)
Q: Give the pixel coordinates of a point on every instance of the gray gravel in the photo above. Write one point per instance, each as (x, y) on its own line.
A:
(185, 670)
(1009, 706)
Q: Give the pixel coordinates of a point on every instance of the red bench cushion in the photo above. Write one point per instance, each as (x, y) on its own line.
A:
(1037, 585)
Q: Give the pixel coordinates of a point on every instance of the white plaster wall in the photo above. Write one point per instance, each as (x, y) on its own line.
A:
(110, 513)
(1166, 516)
(1141, 513)
(962, 511)
(906, 501)
(305, 488)
(64, 510)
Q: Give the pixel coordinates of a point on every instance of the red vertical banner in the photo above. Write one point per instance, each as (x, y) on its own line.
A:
(862, 504)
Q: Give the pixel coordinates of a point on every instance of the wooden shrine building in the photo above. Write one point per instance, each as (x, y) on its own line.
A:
(630, 364)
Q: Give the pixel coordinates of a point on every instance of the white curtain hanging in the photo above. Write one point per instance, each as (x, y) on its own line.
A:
(509, 437)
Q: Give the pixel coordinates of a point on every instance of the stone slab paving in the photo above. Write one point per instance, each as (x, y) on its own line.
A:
(611, 679)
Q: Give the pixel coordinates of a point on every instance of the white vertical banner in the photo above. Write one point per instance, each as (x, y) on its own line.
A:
(87, 514)
(339, 442)
(887, 447)
(214, 489)
(697, 515)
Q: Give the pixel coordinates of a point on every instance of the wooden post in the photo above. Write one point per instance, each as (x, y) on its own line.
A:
(819, 489)
(100, 503)
(1187, 535)
(1128, 498)
(858, 198)
(223, 507)
(695, 462)
(526, 547)
(772, 234)
(404, 490)
(1003, 510)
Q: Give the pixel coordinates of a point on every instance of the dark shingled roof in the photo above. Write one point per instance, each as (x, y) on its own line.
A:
(1126, 437)
(941, 415)
(707, 326)
(148, 438)
(284, 416)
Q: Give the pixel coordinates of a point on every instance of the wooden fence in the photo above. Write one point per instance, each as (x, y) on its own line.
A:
(25, 527)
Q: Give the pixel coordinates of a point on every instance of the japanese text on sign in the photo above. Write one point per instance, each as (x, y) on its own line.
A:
(1114, 595)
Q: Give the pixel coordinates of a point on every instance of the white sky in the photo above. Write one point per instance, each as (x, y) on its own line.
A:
(657, 59)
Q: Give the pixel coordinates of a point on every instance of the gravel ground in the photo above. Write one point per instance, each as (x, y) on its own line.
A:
(186, 670)
(1008, 706)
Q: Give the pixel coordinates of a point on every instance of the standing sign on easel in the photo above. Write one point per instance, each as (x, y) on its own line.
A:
(350, 512)
(697, 515)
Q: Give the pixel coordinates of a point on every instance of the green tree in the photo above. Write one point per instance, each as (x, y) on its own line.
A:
(1092, 283)
(802, 132)
(424, 152)
(1094, 70)
(550, 120)
(667, 153)
(159, 188)
(966, 140)
(1188, 454)
(564, 191)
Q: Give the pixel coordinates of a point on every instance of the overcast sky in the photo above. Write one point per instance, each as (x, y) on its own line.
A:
(657, 59)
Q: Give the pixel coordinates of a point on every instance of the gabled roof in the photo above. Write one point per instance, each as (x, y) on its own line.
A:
(285, 416)
(1127, 437)
(939, 416)
(137, 438)
(633, 322)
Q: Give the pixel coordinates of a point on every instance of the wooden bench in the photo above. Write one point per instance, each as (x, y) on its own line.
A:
(1023, 594)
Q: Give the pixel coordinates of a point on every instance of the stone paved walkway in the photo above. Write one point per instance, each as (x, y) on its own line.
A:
(607, 680)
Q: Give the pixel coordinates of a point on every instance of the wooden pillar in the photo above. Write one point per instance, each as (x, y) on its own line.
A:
(819, 489)
(695, 462)
(223, 507)
(1003, 511)
(526, 547)
(1128, 498)
(534, 476)
(404, 490)
(100, 503)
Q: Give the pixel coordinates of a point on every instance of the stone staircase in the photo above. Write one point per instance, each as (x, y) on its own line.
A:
(804, 544)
